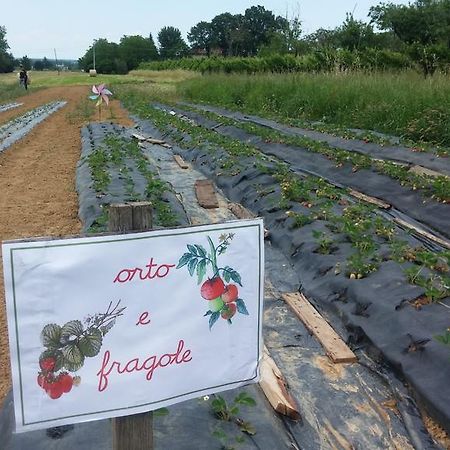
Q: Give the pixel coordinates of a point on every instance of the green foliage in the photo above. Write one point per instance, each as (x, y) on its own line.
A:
(396, 105)
(136, 49)
(6, 59)
(171, 43)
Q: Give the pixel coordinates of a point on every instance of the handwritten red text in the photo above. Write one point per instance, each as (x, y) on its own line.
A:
(151, 271)
(150, 365)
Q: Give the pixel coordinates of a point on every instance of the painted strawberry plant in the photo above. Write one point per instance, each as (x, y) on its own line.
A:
(222, 297)
(67, 347)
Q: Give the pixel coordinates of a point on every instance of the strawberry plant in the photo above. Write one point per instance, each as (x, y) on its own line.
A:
(67, 347)
(229, 413)
(223, 299)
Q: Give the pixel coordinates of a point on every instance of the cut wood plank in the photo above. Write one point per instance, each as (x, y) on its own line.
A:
(419, 170)
(441, 241)
(369, 199)
(274, 387)
(139, 137)
(335, 348)
(180, 161)
(206, 194)
(241, 212)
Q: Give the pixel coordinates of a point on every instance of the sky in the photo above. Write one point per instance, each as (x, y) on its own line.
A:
(36, 27)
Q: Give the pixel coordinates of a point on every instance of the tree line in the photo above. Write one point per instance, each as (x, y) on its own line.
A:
(419, 31)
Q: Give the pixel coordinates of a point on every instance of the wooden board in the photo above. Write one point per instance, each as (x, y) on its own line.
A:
(441, 241)
(240, 211)
(180, 161)
(335, 348)
(206, 194)
(274, 387)
(369, 199)
(419, 170)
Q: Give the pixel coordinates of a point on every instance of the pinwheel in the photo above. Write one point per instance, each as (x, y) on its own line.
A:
(101, 94)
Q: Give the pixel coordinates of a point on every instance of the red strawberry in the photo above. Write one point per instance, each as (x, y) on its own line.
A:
(66, 382)
(41, 380)
(47, 364)
(54, 390)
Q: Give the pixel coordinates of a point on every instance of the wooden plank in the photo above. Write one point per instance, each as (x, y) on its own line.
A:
(120, 217)
(441, 241)
(369, 199)
(335, 348)
(180, 161)
(274, 387)
(206, 194)
(135, 431)
(240, 211)
(419, 170)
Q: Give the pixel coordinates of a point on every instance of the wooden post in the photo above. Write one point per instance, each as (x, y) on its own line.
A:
(132, 432)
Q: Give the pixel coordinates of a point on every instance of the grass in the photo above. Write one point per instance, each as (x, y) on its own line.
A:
(403, 104)
(163, 81)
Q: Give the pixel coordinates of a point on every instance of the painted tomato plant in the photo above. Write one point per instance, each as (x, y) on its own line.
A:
(67, 347)
(222, 296)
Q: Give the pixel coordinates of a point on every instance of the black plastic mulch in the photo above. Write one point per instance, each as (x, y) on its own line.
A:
(396, 153)
(375, 309)
(425, 210)
(92, 204)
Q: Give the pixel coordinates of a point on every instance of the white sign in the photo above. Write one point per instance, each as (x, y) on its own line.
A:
(116, 325)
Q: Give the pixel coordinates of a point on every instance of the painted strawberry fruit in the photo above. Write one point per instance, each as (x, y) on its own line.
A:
(47, 364)
(66, 382)
(54, 390)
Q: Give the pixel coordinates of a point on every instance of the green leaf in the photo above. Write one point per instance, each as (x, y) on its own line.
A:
(192, 249)
(184, 260)
(219, 434)
(160, 412)
(51, 335)
(240, 439)
(200, 250)
(201, 270)
(240, 305)
(72, 328)
(226, 275)
(91, 343)
(73, 358)
(244, 399)
(213, 319)
(234, 410)
(192, 265)
(235, 276)
(219, 404)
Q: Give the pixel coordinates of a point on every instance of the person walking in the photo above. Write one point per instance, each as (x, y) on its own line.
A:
(23, 77)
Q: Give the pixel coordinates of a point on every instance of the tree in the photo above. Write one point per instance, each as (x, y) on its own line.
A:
(201, 37)
(47, 64)
(107, 58)
(425, 21)
(136, 49)
(6, 59)
(258, 24)
(25, 63)
(424, 26)
(171, 44)
(226, 33)
(354, 34)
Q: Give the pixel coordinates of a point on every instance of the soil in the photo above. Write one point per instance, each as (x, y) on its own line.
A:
(37, 181)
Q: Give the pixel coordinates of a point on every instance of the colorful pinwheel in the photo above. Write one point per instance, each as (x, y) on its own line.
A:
(101, 94)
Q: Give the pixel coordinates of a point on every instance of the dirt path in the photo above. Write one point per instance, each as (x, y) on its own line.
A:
(37, 182)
